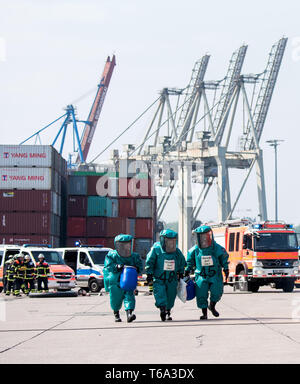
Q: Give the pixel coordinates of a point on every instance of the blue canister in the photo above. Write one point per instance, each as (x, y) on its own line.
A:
(128, 278)
(190, 290)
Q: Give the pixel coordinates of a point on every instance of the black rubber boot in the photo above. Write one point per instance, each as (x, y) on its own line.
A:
(169, 318)
(130, 316)
(163, 313)
(117, 317)
(212, 308)
(204, 314)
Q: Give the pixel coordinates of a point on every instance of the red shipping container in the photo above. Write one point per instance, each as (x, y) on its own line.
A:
(107, 186)
(72, 240)
(141, 188)
(127, 208)
(77, 206)
(76, 226)
(97, 241)
(30, 239)
(40, 223)
(115, 226)
(144, 228)
(27, 200)
(110, 242)
(91, 185)
(96, 226)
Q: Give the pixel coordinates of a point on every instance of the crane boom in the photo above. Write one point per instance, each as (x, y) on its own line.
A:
(233, 74)
(197, 77)
(266, 91)
(91, 124)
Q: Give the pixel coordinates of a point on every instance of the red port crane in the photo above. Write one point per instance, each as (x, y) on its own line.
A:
(92, 121)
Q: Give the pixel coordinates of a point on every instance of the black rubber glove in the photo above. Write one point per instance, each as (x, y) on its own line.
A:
(149, 278)
(186, 273)
(120, 267)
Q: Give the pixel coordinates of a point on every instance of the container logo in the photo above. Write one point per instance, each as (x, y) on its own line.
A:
(6, 155)
(4, 177)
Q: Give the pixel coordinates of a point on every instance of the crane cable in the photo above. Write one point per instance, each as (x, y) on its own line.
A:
(125, 130)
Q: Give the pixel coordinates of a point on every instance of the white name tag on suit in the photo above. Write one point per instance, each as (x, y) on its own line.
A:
(207, 261)
(169, 265)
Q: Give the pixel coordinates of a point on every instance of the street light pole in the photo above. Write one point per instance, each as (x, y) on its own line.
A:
(274, 143)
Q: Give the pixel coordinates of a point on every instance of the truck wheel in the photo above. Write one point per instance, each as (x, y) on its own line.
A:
(94, 286)
(242, 282)
(288, 285)
(253, 286)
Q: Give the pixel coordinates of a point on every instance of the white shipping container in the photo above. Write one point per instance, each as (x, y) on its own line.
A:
(29, 178)
(144, 208)
(44, 156)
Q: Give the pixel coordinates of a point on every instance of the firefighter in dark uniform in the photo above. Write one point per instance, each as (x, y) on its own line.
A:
(29, 275)
(6, 266)
(19, 270)
(9, 272)
(42, 273)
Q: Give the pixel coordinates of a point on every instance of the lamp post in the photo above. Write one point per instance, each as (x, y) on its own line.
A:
(274, 143)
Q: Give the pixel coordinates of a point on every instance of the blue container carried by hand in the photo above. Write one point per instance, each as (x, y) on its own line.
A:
(190, 290)
(128, 278)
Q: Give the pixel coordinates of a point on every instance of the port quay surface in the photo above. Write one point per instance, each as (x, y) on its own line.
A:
(261, 328)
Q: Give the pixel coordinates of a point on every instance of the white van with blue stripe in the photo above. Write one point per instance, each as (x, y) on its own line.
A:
(87, 263)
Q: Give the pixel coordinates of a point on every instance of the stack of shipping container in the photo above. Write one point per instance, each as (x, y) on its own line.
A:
(32, 182)
(101, 206)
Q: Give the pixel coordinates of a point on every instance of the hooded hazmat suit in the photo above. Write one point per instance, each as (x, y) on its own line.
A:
(207, 263)
(165, 267)
(112, 272)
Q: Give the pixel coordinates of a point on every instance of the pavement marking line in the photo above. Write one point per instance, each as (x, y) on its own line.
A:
(41, 333)
(267, 325)
(206, 324)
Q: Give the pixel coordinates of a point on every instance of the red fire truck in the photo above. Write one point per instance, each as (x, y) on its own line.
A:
(260, 254)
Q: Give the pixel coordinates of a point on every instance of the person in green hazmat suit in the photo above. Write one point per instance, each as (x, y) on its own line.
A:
(164, 266)
(114, 263)
(207, 258)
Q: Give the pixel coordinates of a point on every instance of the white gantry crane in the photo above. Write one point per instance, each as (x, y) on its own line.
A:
(194, 136)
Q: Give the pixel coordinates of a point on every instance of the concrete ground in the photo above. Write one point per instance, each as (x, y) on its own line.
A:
(261, 327)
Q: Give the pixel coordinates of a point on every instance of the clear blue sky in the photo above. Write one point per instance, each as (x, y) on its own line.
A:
(53, 51)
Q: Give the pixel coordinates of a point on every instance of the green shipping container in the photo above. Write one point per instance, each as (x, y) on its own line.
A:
(97, 206)
(102, 206)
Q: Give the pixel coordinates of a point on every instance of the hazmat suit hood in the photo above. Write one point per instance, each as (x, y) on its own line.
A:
(168, 240)
(204, 232)
(124, 245)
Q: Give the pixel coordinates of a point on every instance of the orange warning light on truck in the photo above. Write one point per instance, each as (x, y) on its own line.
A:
(260, 254)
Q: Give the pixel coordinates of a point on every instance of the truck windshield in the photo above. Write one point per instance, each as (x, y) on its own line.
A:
(98, 257)
(51, 257)
(278, 242)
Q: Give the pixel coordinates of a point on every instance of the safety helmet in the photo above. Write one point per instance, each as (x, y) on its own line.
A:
(27, 257)
(20, 255)
(41, 256)
(204, 236)
(168, 240)
(124, 245)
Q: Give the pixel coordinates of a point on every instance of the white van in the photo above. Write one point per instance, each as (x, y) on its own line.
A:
(87, 264)
(62, 277)
(5, 252)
